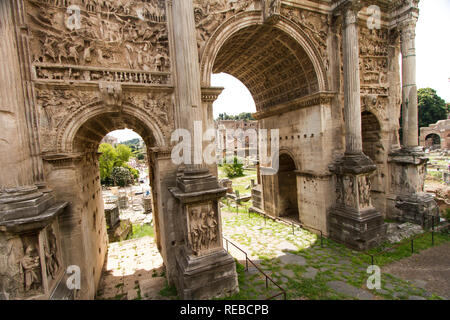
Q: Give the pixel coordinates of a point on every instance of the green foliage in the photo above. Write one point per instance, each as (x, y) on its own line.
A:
(246, 116)
(134, 172)
(168, 291)
(113, 158)
(432, 108)
(121, 176)
(106, 161)
(234, 169)
(140, 156)
(140, 231)
(133, 144)
(123, 155)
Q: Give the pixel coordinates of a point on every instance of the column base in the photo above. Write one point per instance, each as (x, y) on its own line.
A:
(418, 208)
(206, 277)
(359, 231)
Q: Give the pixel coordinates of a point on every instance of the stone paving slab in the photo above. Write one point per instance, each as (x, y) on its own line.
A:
(324, 272)
(348, 290)
(430, 269)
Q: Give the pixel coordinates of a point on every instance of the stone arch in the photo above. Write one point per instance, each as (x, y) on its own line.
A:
(433, 139)
(68, 130)
(287, 185)
(288, 152)
(254, 18)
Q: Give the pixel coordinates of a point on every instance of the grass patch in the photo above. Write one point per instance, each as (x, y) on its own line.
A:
(140, 231)
(404, 250)
(168, 291)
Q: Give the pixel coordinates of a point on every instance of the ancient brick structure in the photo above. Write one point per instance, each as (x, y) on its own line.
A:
(323, 72)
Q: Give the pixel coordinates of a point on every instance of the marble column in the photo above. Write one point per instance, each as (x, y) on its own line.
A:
(352, 99)
(409, 88)
(204, 270)
(408, 165)
(353, 220)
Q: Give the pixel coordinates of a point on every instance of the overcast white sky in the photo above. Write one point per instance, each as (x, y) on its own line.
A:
(433, 64)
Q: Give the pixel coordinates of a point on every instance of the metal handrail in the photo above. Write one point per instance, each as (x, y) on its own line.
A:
(433, 231)
(247, 260)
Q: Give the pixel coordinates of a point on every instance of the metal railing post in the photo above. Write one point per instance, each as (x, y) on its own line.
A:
(432, 232)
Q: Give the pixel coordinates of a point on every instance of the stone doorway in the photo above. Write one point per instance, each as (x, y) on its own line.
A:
(433, 141)
(287, 185)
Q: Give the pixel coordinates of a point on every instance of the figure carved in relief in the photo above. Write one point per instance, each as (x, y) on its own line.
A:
(203, 229)
(349, 192)
(51, 256)
(195, 231)
(212, 226)
(364, 186)
(30, 267)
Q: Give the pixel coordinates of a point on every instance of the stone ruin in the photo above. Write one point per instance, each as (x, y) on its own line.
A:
(319, 71)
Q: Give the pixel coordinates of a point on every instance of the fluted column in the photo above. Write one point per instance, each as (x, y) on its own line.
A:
(352, 100)
(409, 87)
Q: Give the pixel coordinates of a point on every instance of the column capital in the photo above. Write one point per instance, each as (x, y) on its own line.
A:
(407, 28)
(349, 10)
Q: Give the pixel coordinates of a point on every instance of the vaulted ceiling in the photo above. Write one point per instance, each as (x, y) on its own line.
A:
(272, 65)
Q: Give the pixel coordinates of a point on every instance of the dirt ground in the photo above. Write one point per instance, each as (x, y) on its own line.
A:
(429, 270)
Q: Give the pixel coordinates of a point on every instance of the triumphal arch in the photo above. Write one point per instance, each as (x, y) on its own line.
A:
(325, 73)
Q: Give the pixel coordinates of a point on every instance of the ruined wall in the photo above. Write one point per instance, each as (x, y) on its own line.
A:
(83, 227)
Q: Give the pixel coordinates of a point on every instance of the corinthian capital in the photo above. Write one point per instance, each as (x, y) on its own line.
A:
(349, 10)
(407, 28)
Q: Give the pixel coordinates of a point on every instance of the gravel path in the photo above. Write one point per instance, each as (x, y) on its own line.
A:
(429, 269)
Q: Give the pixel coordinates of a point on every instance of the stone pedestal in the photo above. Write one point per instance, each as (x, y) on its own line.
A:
(31, 262)
(419, 209)
(205, 269)
(354, 221)
(408, 170)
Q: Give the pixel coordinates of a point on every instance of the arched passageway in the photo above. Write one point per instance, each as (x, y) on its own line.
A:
(433, 141)
(287, 185)
(270, 63)
(75, 177)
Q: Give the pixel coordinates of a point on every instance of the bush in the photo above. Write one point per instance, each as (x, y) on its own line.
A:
(121, 176)
(134, 172)
(234, 169)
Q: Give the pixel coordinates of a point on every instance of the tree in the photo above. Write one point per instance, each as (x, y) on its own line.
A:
(121, 176)
(107, 161)
(112, 158)
(432, 108)
(241, 116)
(123, 155)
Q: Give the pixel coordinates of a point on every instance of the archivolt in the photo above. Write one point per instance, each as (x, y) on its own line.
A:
(131, 115)
(253, 18)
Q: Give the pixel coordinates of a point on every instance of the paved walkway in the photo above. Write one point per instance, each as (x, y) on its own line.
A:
(297, 262)
(134, 270)
(430, 270)
(306, 270)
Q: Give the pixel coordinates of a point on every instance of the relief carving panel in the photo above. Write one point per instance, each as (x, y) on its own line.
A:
(203, 226)
(85, 36)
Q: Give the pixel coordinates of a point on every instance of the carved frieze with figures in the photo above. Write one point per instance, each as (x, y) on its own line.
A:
(209, 15)
(81, 34)
(203, 228)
